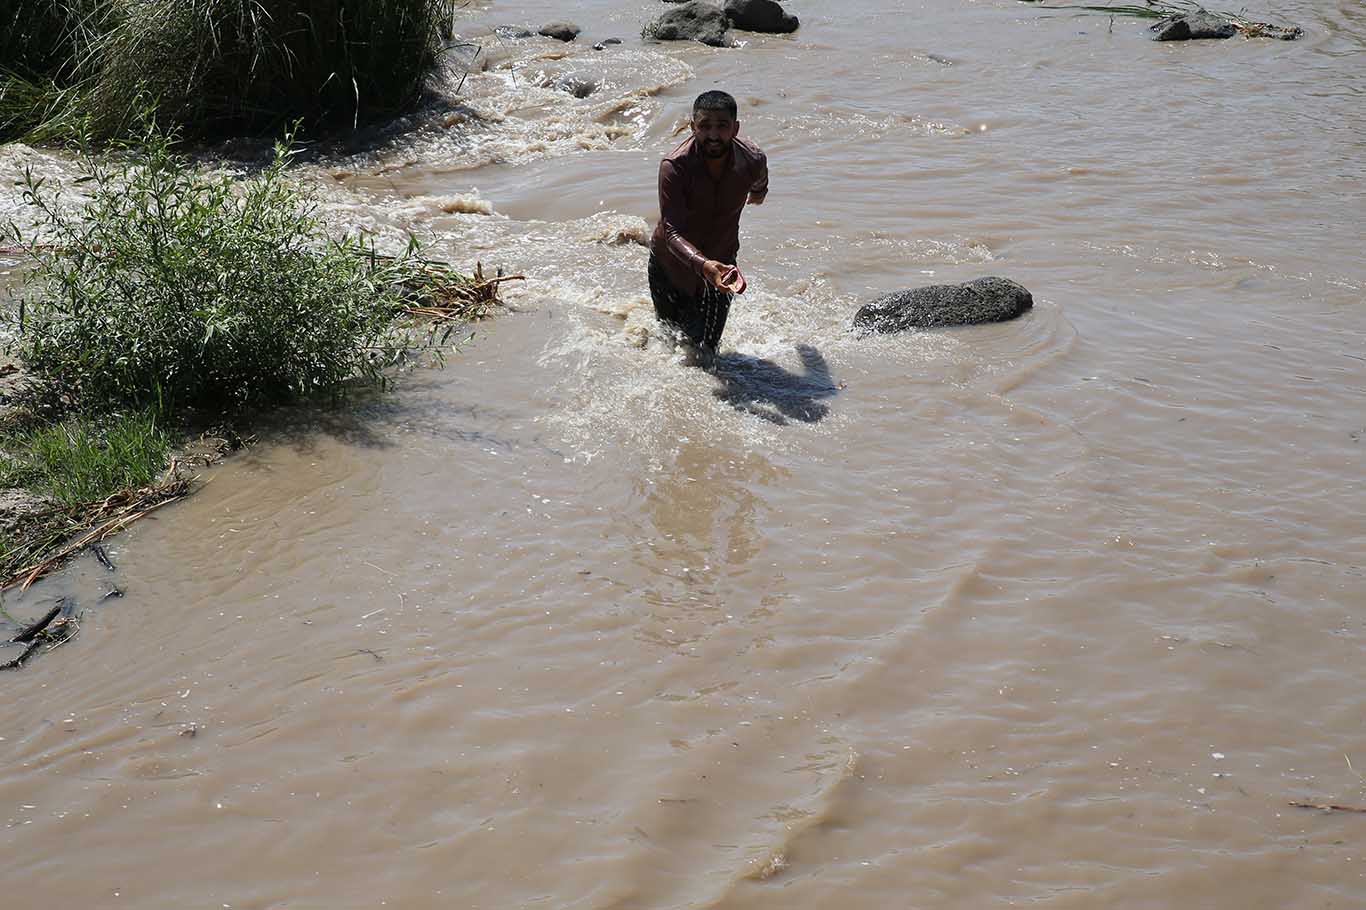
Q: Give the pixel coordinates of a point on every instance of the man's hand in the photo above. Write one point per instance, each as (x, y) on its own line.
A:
(757, 200)
(723, 277)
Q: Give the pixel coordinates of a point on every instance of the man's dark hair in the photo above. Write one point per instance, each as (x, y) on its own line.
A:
(716, 101)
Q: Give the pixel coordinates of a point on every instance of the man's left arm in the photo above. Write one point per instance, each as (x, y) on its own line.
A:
(758, 190)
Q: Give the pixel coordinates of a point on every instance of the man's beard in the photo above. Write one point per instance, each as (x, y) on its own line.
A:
(715, 150)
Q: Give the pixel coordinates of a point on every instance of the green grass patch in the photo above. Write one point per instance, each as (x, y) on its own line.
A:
(81, 460)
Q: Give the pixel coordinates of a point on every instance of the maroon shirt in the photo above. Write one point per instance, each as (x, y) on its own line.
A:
(699, 217)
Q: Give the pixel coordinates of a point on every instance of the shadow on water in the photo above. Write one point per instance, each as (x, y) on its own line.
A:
(764, 389)
(379, 418)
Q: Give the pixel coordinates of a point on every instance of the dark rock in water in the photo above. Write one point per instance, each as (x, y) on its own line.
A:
(760, 16)
(982, 300)
(1192, 26)
(602, 45)
(512, 32)
(578, 86)
(562, 31)
(695, 20)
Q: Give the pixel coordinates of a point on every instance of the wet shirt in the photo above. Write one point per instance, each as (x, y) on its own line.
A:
(699, 217)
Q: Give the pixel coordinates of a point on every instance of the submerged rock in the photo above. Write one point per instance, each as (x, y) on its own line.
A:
(512, 32)
(561, 31)
(1192, 26)
(760, 16)
(576, 85)
(983, 300)
(695, 20)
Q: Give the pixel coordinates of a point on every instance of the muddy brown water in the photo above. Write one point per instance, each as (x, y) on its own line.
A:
(1056, 613)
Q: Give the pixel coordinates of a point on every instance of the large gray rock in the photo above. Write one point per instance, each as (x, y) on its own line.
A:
(692, 21)
(1191, 26)
(562, 31)
(982, 300)
(760, 16)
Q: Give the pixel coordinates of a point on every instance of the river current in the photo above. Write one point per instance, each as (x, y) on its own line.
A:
(1062, 612)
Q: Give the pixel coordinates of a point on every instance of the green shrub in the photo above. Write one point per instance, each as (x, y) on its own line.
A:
(80, 461)
(184, 290)
(230, 67)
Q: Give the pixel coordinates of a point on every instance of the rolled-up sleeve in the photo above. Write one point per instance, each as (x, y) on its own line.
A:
(673, 215)
(759, 188)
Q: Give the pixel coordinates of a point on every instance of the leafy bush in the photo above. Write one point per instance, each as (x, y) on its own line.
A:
(79, 461)
(184, 290)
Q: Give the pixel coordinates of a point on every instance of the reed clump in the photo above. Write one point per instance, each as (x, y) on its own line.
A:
(42, 44)
(45, 38)
(216, 68)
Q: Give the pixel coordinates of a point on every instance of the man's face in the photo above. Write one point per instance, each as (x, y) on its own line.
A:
(714, 131)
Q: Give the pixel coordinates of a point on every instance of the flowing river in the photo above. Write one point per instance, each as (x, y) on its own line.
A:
(1062, 612)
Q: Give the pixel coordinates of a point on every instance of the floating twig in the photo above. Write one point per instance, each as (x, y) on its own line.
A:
(115, 513)
(102, 556)
(18, 662)
(32, 631)
(1330, 807)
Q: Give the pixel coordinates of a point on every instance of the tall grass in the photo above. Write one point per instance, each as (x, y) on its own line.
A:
(216, 67)
(226, 67)
(45, 48)
(46, 38)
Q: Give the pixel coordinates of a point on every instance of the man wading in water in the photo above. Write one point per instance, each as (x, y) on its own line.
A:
(703, 187)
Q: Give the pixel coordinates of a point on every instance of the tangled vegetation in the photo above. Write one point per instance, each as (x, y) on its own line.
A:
(214, 67)
(1168, 9)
